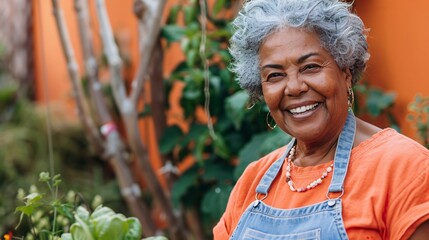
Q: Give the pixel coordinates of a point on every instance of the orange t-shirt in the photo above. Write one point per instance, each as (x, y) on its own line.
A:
(386, 190)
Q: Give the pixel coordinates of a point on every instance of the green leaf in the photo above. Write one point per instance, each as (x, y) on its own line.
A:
(215, 83)
(82, 228)
(27, 210)
(191, 92)
(274, 139)
(80, 231)
(378, 101)
(83, 214)
(195, 131)
(250, 152)
(217, 171)
(181, 186)
(66, 209)
(66, 236)
(190, 13)
(171, 137)
(220, 148)
(260, 145)
(102, 212)
(194, 33)
(174, 11)
(134, 229)
(235, 141)
(185, 44)
(225, 55)
(172, 33)
(191, 57)
(227, 77)
(45, 235)
(200, 143)
(178, 72)
(33, 198)
(218, 6)
(235, 106)
(215, 200)
(195, 77)
(113, 228)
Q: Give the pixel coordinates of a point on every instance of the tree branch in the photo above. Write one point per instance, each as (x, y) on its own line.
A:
(129, 112)
(115, 150)
(73, 69)
(149, 15)
(112, 54)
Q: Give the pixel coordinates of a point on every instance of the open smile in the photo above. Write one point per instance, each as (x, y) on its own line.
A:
(303, 109)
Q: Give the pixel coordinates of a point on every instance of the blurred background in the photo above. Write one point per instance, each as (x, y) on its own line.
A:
(133, 104)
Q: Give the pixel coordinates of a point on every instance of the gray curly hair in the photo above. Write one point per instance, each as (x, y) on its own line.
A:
(341, 32)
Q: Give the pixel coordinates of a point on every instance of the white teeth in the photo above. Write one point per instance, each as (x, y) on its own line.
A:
(303, 108)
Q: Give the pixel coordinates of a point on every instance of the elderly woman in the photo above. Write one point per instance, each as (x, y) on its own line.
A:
(340, 177)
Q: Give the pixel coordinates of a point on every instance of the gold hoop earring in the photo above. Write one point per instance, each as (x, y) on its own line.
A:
(350, 98)
(268, 123)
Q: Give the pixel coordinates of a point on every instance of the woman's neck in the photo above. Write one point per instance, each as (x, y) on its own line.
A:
(314, 154)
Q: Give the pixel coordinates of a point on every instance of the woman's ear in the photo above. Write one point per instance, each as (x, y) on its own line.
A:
(348, 77)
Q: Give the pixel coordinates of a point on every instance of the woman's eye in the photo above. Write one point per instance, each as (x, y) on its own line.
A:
(273, 76)
(310, 67)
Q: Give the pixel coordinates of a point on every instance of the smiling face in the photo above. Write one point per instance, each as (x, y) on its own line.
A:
(303, 86)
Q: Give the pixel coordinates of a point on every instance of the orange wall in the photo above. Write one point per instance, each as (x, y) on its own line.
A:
(49, 59)
(399, 47)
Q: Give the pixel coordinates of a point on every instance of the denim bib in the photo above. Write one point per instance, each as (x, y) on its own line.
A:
(318, 221)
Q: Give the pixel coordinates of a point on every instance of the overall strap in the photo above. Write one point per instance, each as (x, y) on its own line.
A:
(342, 154)
(269, 176)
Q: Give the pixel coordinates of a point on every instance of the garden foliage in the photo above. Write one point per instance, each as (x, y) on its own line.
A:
(419, 117)
(241, 133)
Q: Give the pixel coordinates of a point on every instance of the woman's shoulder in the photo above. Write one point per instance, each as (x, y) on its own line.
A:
(392, 170)
(373, 137)
(391, 152)
(389, 141)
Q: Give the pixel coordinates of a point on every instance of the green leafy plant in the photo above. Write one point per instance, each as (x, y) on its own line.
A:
(50, 217)
(419, 117)
(376, 103)
(36, 205)
(24, 154)
(103, 224)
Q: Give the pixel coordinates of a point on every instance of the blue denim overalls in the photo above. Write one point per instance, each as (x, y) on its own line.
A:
(318, 221)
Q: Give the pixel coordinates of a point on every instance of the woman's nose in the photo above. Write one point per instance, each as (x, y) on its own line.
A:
(295, 85)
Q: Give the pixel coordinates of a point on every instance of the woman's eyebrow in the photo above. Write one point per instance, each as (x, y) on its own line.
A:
(276, 66)
(304, 57)
(299, 61)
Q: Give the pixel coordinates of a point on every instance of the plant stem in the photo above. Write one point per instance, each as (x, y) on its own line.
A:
(54, 199)
(32, 229)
